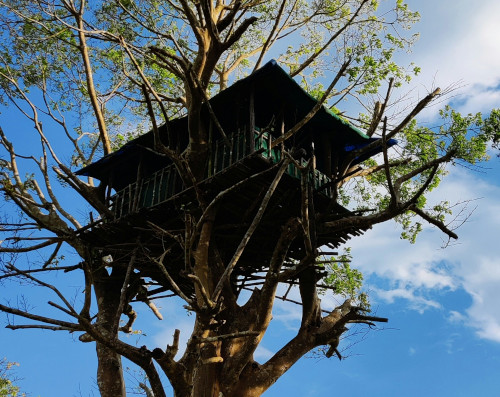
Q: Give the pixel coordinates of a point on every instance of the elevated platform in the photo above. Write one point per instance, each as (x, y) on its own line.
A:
(138, 208)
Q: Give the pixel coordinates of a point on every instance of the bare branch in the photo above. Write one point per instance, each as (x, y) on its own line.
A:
(42, 319)
(311, 59)
(292, 131)
(235, 335)
(433, 221)
(34, 326)
(123, 291)
(267, 44)
(174, 285)
(255, 222)
(379, 110)
(43, 284)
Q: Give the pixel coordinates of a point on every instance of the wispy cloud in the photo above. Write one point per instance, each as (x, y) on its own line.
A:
(175, 319)
(414, 272)
(450, 53)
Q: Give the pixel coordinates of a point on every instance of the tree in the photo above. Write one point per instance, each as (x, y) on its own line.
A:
(7, 387)
(491, 128)
(88, 73)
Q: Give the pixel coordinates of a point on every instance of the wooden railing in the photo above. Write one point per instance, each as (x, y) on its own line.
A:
(165, 183)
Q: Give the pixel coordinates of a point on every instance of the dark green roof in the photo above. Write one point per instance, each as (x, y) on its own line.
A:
(274, 88)
(274, 91)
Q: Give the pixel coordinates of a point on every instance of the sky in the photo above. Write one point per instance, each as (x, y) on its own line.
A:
(443, 335)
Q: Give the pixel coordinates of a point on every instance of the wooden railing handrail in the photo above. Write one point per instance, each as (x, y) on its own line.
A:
(148, 192)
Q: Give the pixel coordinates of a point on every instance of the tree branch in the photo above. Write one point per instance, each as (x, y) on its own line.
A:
(433, 221)
(255, 222)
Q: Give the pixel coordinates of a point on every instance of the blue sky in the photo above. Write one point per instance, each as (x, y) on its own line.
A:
(443, 337)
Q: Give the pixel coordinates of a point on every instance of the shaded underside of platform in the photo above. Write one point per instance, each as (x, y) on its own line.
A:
(234, 215)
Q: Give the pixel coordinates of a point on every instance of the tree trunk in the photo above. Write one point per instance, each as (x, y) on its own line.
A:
(206, 382)
(109, 370)
(109, 373)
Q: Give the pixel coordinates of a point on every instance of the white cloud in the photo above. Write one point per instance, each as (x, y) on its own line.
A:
(175, 318)
(473, 264)
(262, 354)
(416, 302)
(459, 44)
(456, 317)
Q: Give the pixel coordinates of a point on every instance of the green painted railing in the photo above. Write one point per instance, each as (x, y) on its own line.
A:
(165, 183)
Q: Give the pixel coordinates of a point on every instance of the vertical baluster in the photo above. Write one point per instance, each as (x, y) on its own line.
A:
(155, 188)
(251, 127)
(269, 150)
(174, 183)
(118, 205)
(210, 149)
(171, 169)
(216, 158)
(130, 198)
(238, 149)
(160, 187)
(134, 206)
(231, 142)
(170, 183)
(139, 199)
(121, 202)
(245, 143)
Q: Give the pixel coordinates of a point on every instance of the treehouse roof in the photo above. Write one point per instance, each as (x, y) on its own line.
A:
(274, 91)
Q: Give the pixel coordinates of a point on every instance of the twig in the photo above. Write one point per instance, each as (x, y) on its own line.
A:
(242, 334)
(39, 326)
(203, 291)
(173, 284)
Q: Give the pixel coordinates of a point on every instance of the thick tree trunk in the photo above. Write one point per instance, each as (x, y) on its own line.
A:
(109, 370)
(206, 382)
(109, 373)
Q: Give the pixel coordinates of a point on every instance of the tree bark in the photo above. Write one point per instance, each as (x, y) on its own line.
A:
(109, 370)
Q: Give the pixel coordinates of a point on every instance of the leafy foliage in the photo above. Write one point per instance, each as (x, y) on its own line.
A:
(7, 386)
(89, 76)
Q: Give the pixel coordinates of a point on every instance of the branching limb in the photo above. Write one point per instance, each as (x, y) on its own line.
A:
(145, 80)
(269, 39)
(42, 319)
(123, 292)
(360, 172)
(394, 194)
(264, 300)
(52, 256)
(101, 123)
(317, 53)
(292, 131)
(206, 299)
(71, 311)
(433, 221)
(35, 247)
(173, 370)
(379, 110)
(173, 284)
(34, 326)
(415, 111)
(255, 222)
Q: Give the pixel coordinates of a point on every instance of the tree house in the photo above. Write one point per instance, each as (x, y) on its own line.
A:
(253, 113)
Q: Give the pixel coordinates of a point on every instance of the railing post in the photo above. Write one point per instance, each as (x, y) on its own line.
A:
(231, 143)
(210, 146)
(216, 158)
(251, 126)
